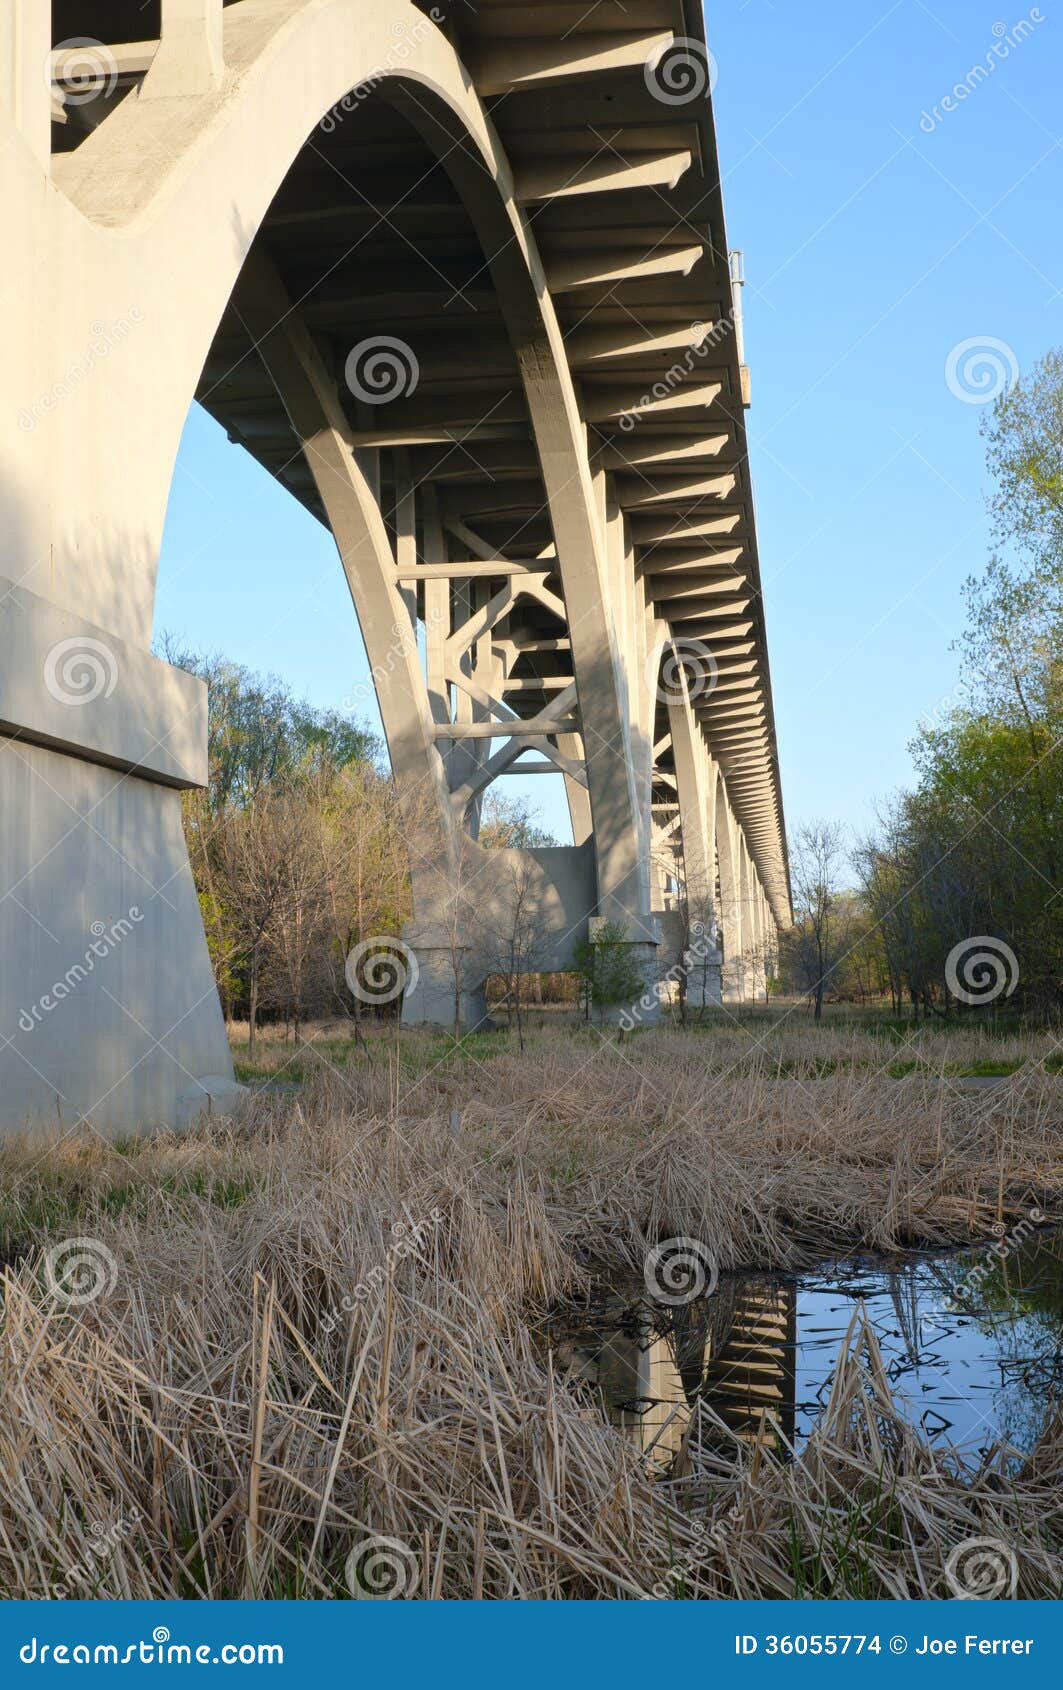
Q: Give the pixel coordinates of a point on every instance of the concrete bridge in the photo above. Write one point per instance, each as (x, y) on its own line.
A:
(457, 276)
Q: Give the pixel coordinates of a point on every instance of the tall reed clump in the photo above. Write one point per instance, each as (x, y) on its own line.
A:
(301, 1357)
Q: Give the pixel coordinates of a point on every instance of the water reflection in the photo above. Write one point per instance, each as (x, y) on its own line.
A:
(972, 1342)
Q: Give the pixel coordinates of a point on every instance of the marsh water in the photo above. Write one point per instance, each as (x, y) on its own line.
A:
(972, 1341)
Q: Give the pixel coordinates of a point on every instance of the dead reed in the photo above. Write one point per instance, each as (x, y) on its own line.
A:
(307, 1365)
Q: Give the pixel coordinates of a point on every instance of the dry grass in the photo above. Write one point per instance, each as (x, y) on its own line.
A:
(282, 1375)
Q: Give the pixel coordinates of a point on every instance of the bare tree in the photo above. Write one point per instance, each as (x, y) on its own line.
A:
(816, 943)
(515, 938)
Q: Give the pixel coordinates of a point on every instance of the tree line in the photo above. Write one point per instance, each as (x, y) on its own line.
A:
(954, 900)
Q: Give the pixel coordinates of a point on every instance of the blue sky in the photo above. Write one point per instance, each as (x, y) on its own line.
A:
(877, 240)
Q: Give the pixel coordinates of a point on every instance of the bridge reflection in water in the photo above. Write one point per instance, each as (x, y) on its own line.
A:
(720, 1371)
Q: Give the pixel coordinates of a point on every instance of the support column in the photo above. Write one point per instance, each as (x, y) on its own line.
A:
(730, 913)
(696, 778)
(25, 55)
(189, 60)
(109, 1013)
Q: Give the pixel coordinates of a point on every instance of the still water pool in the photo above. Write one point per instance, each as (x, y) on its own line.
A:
(972, 1341)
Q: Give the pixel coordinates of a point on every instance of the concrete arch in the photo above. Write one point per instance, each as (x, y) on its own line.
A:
(145, 232)
(199, 179)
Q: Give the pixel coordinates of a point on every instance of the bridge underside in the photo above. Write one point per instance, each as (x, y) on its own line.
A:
(461, 283)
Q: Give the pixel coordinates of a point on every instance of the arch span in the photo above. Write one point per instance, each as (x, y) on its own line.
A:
(544, 498)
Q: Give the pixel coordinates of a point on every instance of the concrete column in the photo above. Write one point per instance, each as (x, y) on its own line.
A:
(730, 912)
(696, 778)
(108, 1008)
(25, 54)
(189, 60)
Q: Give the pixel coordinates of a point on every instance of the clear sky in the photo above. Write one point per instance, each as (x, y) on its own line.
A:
(878, 238)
